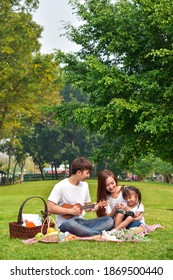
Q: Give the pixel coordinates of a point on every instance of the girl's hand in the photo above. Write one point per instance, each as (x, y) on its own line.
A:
(137, 219)
(121, 206)
(138, 216)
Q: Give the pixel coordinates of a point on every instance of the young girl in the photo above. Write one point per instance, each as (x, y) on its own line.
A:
(133, 211)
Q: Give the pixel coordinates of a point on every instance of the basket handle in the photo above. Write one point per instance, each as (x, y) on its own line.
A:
(45, 213)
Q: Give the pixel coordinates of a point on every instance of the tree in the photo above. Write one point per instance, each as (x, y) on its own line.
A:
(28, 80)
(56, 142)
(164, 168)
(19, 39)
(14, 150)
(125, 67)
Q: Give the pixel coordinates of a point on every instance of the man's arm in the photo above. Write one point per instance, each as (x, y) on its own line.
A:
(53, 208)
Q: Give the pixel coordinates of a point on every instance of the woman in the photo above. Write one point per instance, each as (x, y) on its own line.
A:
(109, 190)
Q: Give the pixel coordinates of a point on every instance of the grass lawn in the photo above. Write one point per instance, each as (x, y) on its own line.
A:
(157, 199)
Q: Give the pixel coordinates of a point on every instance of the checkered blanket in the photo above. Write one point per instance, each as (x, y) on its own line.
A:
(150, 228)
(125, 234)
(114, 236)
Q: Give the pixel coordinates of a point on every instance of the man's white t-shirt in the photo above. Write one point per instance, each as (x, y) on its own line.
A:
(64, 192)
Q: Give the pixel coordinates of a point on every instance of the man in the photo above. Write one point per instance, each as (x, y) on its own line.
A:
(64, 197)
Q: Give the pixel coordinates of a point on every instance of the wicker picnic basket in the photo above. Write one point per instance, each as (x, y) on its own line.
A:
(19, 231)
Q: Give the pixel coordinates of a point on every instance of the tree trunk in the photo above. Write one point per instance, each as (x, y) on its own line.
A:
(14, 172)
(21, 165)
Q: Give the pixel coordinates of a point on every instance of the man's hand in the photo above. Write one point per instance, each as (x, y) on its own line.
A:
(76, 210)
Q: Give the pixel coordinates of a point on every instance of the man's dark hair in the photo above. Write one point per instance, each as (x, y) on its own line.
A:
(81, 164)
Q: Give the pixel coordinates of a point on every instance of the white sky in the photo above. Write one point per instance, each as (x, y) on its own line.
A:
(50, 16)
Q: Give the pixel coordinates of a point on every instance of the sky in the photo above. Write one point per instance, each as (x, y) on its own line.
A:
(50, 16)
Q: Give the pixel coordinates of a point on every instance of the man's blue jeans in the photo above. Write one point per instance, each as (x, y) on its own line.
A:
(82, 227)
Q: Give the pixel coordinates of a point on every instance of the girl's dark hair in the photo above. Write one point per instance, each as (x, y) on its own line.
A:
(101, 189)
(81, 164)
(126, 191)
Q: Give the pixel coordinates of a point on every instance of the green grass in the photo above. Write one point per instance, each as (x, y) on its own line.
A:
(157, 198)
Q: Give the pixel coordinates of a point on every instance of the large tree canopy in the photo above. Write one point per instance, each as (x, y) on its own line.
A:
(28, 80)
(125, 66)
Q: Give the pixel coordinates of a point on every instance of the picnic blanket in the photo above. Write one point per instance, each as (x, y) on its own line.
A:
(123, 235)
(133, 235)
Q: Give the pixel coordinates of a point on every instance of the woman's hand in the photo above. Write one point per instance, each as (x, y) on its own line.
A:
(103, 203)
(118, 206)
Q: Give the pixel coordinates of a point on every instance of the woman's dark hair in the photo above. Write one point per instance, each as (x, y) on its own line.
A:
(81, 164)
(126, 191)
(101, 189)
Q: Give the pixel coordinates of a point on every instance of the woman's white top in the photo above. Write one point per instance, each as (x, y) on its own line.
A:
(113, 201)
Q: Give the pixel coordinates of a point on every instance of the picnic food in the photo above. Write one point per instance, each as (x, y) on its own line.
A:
(51, 237)
(39, 235)
(49, 230)
(29, 224)
(70, 237)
